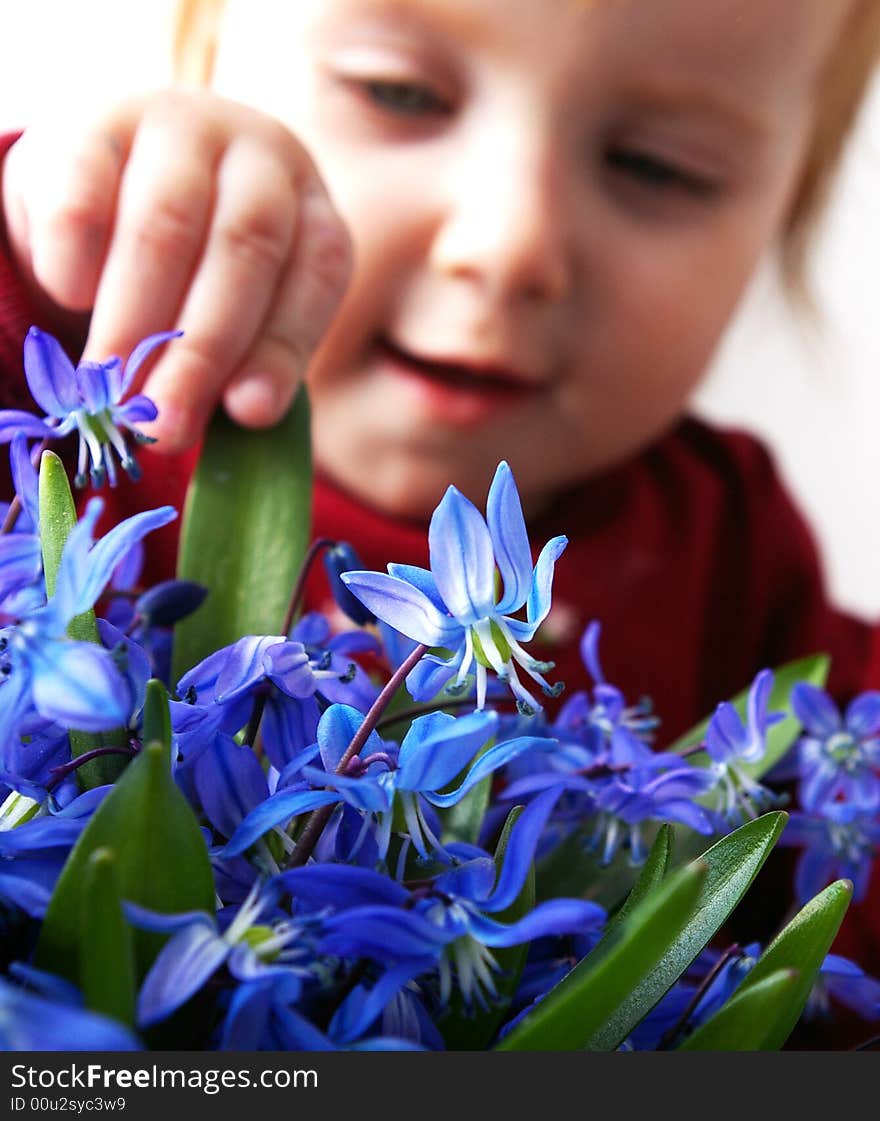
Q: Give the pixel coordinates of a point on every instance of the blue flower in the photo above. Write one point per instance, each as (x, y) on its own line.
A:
(285, 675)
(197, 949)
(74, 683)
(87, 398)
(837, 754)
(382, 785)
(839, 843)
(454, 606)
(448, 919)
(731, 742)
(842, 980)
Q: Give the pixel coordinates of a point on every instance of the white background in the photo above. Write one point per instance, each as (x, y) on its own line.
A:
(810, 388)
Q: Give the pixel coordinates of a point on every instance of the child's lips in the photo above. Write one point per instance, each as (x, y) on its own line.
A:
(462, 391)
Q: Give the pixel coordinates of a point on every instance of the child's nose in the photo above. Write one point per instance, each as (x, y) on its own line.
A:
(503, 224)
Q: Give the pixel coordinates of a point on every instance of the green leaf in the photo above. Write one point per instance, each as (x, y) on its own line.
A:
(57, 519)
(780, 736)
(576, 1009)
(745, 1023)
(161, 858)
(597, 1005)
(800, 948)
(245, 530)
(106, 953)
(472, 1030)
(157, 716)
(651, 876)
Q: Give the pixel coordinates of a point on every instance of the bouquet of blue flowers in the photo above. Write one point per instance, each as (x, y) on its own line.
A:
(225, 825)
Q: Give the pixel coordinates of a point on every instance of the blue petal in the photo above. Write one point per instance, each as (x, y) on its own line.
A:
(78, 685)
(137, 410)
(359, 1009)
(17, 887)
(50, 374)
(91, 382)
(364, 794)
(274, 811)
(863, 715)
(725, 736)
(542, 581)
(141, 352)
(404, 607)
(556, 916)
(25, 479)
(336, 729)
(184, 964)
(462, 558)
(438, 746)
(340, 886)
(21, 561)
(288, 728)
(31, 1023)
(590, 651)
(385, 934)
(521, 846)
(113, 546)
(425, 680)
(287, 667)
(230, 783)
(14, 421)
(160, 923)
(510, 540)
(421, 578)
(243, 666)
(489, 762)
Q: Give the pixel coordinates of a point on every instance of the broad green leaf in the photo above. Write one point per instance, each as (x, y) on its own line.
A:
(780, 736)
(57, 519)
(745, 1023)
(245, 530)
(471, 1031)
(801, 948)
(162, 861)
(106, 953)
(651, 876)
(611, 990)
(577, 1008)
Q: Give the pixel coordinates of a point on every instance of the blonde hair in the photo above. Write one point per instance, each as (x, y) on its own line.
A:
(842, 87)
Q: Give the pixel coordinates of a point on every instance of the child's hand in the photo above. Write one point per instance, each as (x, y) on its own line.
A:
(183, 210)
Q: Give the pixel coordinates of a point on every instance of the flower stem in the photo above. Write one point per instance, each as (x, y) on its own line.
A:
(296, 596)
(425, 710)
(60, 773)
(314, 827)
(677, 1028)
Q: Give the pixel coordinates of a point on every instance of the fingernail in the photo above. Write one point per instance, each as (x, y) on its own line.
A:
(253, 400)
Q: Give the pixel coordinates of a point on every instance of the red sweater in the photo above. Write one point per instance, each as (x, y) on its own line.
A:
(692, 555)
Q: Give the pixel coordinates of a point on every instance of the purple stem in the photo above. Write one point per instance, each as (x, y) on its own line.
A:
(60, 773)
(311, 834)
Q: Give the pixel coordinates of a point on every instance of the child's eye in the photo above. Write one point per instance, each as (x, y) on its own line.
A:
(656, 173)
(405, 98)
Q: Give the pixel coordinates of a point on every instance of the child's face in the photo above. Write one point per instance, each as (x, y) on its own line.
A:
(555, 207)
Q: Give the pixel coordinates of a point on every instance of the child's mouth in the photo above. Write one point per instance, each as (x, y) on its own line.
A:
(460, 392)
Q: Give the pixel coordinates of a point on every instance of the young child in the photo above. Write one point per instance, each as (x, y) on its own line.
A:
(543, 216)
